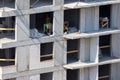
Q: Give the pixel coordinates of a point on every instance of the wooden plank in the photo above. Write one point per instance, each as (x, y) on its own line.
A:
(50, 55)
(47, 60)
(7, 29)
(7, 59)
(102, 77)
(106, 46)
(73, 51)
(46, 55)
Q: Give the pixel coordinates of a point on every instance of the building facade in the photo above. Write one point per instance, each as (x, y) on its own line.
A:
(59, 39)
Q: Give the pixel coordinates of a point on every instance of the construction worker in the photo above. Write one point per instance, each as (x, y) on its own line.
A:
(65, 27)
(48, 26)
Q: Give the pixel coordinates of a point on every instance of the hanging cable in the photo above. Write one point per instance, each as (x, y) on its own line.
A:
(34, 3)
(3, 5)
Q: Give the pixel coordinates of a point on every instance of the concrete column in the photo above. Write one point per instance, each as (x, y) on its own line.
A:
(89, 52)
(22, 27)
(83, 74)
(115, 45)
(89, 19)
(59, 75)
(115, 16)
(60, 49)
(115, 23)
(58, 2)
(34, 60)
(35, 77)
(94, 49)
(22, 4)
(115, 68)
(82, 20)
(58, 23)
(84, 50)
(22, 22)
(93, 73)
(22, 62)
(84, 55)
(94, 56)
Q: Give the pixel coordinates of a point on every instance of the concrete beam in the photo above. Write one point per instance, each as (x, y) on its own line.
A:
(35, 77)
(30, 11)
(14, 43)
(32, 72)
(91, 34)
(87, 5)
(86, 64)
(23, 78)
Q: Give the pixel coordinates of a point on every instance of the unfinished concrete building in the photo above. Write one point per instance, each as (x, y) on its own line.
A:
(59, 39)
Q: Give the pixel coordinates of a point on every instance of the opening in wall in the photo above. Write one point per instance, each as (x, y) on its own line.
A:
(7, 57)
(46, 76)
(72, 50)
(6, 5)
(104, 72)
(7, 27)
(104, 16)
(46, 51)
(41, 24)
(71, 1)
(72, 74)
(71, 21)
(104, 46)
(11, 79)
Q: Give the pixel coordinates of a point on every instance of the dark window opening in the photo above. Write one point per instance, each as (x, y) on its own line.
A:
(7, 57)
(105, 16)
(46, 51)
(7, 27)
(72, 74)
(46, 76)
(72, 50)
(11, 79)
(104, 72)
(104, 46)
(71, 21)
(71, 1)
(39, 3)
(7, 3)
(41, 24)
